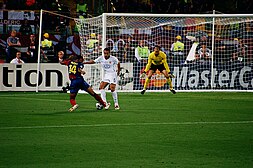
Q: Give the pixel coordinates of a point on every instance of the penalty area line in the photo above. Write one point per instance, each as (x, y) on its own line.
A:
(128, 124)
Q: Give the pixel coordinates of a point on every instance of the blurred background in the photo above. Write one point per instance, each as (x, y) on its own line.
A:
(23, 17)
(97, 7)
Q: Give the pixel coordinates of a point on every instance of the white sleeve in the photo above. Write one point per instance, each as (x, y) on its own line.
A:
(172, 46)
(116, 60)
(137, 55)
(98, 60)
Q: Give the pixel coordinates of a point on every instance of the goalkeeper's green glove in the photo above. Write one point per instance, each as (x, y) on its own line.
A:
(143, 75)
(171, 75)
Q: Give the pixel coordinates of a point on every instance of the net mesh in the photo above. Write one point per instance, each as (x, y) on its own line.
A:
(90, 32)
(225, 63)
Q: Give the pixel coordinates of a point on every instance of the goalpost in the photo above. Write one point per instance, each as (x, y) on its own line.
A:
(217, 53)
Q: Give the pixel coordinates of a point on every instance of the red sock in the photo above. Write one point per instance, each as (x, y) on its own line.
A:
(99, 99)
(72, 102)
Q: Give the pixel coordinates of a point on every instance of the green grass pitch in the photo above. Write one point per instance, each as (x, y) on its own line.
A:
(186, 130)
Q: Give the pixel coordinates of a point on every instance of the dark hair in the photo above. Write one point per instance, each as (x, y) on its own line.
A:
(106, 49)
(157, 46)
(72, 57)
(79, 57)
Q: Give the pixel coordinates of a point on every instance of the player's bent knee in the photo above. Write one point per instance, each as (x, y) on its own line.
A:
(112, 87)
(90, 91)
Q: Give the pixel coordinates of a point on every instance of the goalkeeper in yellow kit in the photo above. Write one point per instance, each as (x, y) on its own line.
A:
(157, 60)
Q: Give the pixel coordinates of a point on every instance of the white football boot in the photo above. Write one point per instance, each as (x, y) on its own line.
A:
(73, 108)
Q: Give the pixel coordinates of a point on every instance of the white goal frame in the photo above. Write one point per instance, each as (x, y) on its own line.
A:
(212, 16)
(247, 86)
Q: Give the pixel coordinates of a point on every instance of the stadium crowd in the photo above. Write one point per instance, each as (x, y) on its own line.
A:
(126, 48)
(132, 6)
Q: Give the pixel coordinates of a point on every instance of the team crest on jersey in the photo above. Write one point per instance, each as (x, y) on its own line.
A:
(107, 66)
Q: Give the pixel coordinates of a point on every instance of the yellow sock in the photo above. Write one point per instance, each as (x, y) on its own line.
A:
(170, 83)
(147, 80)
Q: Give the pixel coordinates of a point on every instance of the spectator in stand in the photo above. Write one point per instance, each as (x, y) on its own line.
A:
(120, 50)
(15, 4)
(47, 48)
(239, 51)
(130, 46)
(30, 4)
(142, 52)
(81, 9)
(18, 59)
(46, 43)
(2, 4)
(61, 56)
(12, 42)
(91, 43)
(177, 49)
(25, 28)
(204, 53)
(32, 53)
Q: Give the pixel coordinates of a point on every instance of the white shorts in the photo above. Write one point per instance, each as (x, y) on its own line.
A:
(110, 78)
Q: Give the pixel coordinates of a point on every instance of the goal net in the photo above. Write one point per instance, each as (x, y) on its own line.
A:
(204, 52)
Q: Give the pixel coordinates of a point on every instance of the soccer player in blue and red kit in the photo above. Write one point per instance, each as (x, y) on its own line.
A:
(75, 67)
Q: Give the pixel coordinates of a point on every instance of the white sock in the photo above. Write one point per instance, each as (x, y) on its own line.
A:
(103, 95)
(115, 97)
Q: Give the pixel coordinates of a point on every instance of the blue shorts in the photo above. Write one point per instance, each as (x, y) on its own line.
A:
(77, 84)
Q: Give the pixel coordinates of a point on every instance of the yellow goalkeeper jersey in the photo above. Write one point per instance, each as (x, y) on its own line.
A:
(157, 60)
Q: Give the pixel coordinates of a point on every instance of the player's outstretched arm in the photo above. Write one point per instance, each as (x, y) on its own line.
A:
(171, 75)
(148, 64)
(89, 62)
(143, 75)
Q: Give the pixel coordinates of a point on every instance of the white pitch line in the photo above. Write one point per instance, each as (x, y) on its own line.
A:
(128, 124)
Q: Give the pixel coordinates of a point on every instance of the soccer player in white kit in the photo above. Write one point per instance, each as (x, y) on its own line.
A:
(111, 67)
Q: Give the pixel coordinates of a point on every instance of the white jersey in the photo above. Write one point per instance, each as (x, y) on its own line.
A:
(17, 61)
(109, 65)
